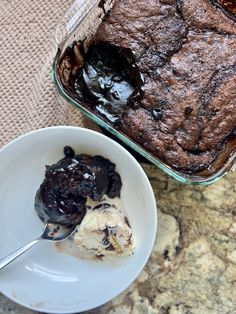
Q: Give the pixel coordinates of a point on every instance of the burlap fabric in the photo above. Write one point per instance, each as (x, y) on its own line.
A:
(28, 99)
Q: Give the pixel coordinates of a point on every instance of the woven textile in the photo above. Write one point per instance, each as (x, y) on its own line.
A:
(28, 99)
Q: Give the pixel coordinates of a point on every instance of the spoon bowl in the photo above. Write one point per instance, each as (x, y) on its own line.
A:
(57, 233)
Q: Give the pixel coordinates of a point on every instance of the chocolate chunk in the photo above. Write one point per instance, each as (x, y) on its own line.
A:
(69, 152)
(188, 110)
(157, 114)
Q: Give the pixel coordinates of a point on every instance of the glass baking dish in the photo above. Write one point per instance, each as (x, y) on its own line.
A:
(80, 22)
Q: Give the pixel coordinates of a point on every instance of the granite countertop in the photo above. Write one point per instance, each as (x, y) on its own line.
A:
(192, 269)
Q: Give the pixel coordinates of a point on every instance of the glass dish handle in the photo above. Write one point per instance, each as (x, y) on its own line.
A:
(71, 19)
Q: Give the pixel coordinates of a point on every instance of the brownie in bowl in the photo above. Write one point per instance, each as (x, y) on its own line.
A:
(62, 196)
(164, 74)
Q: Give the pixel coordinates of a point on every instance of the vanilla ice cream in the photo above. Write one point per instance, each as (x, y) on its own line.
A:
(105, 231)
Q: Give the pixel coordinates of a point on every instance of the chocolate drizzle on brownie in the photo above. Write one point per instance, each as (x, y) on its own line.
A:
(175, 64)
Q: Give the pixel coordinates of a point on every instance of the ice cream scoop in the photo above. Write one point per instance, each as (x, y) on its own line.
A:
(105, 231)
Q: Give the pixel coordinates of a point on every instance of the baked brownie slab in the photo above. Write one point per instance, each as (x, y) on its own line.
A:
(177, 63)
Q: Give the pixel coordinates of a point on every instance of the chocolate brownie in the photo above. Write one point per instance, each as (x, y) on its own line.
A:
(62, 196)
(163, 72)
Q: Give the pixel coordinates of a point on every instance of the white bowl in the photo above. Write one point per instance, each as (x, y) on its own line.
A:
(44, 279)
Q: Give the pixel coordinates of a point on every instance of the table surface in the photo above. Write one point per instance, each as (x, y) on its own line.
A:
(192, 268)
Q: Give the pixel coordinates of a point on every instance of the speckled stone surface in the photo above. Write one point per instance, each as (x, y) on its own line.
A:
(192, 269)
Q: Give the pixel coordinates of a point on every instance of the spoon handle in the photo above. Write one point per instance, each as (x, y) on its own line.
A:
(11, 257)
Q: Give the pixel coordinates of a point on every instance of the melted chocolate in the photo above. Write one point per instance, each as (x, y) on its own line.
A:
(106, 76)
(62, 196)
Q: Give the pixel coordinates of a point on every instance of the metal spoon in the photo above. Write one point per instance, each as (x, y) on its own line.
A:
(52, 232)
